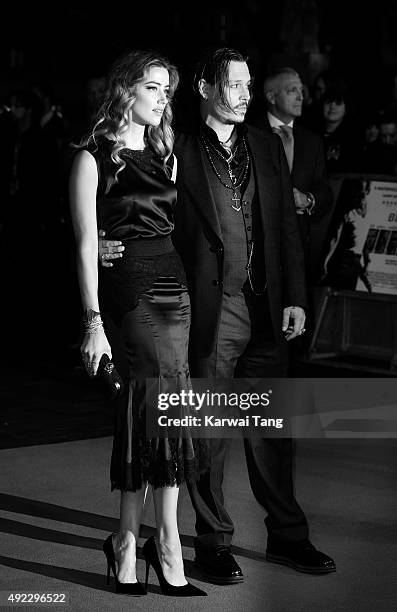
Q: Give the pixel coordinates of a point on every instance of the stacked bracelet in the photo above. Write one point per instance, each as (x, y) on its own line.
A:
(93, 327)
(92, 321)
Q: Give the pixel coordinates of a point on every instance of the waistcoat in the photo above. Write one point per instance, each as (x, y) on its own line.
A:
(236, 226)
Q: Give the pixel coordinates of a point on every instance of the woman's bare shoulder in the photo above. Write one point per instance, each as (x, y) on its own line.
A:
(84, 163)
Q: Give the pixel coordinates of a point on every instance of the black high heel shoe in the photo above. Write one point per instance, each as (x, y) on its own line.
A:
(151, 557)
(127, 588)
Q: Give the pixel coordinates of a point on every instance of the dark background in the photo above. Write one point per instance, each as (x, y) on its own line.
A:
(65, 45)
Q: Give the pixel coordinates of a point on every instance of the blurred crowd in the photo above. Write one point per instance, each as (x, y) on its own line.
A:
(39, 280)
(357, 137)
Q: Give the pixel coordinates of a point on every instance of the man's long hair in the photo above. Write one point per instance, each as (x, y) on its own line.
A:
(214, 69)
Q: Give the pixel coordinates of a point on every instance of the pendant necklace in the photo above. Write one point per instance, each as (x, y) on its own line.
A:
(235, 185)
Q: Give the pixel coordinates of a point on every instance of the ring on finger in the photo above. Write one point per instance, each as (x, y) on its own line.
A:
(103, 256)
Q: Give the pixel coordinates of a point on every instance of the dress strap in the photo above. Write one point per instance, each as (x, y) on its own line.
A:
(174, 168)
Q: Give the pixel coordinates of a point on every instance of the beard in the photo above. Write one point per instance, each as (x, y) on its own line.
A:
(234, 115)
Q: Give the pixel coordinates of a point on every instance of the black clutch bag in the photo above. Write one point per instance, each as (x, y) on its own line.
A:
(110, 378)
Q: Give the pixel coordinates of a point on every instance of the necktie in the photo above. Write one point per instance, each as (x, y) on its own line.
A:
(287, 138)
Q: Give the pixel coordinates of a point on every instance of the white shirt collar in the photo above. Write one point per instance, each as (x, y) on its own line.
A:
(275, 122)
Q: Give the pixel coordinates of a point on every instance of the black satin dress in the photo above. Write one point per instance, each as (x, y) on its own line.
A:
(147, 316)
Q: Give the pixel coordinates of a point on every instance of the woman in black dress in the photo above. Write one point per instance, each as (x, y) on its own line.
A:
(122, 180)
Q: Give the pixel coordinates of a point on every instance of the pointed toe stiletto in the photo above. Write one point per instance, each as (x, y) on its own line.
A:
(151, 557)
(127, 588)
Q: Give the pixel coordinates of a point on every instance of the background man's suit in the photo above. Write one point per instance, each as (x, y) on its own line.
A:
(309, 175)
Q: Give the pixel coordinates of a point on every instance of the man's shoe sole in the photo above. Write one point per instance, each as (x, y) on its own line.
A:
(219, 579)
(299, 568)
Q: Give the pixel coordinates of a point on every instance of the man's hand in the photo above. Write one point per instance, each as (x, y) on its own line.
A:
(301, 201)
(293, 322)
(108, 249)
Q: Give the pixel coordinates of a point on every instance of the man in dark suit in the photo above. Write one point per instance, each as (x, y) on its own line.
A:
(283, 93)
(236, 230)
(235, 199)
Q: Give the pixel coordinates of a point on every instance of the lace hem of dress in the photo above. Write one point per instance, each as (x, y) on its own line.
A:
(137, 460)
(147, 468)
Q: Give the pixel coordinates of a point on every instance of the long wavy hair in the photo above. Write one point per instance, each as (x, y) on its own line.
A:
(111, 120)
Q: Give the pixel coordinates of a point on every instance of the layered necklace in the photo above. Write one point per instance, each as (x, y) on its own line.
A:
(235, 184)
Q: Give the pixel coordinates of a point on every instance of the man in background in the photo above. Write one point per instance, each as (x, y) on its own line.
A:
(283, 94)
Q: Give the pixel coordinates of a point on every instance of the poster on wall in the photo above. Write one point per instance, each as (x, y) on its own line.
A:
(362, 253)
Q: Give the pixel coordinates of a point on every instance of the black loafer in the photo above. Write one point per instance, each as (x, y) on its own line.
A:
(218, 565)
(302, 557)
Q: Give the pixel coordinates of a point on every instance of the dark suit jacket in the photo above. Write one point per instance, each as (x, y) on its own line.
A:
(309, 175)
(198, 238)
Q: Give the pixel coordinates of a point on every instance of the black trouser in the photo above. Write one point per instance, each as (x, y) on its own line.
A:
(246, 349)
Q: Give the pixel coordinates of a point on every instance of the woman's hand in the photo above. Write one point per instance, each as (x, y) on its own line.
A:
(94, 345)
